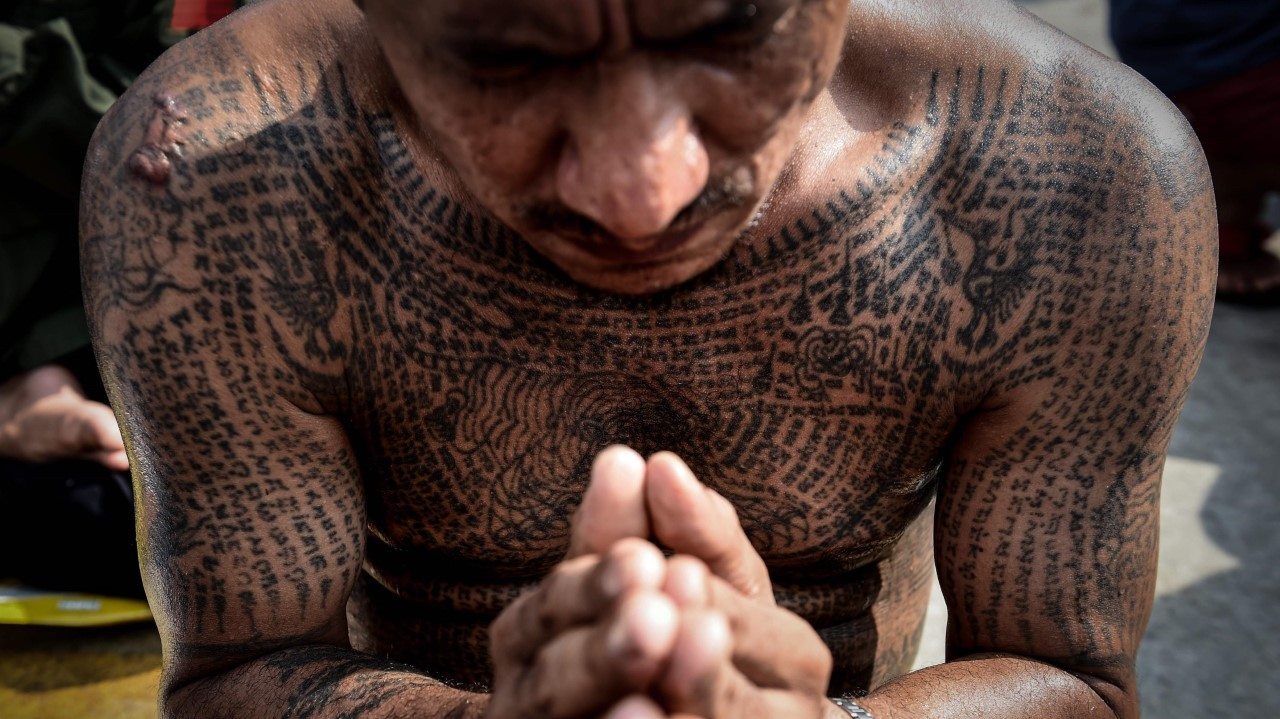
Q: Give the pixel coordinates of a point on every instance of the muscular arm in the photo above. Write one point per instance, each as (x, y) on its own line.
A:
(221, 353)
(1047, 516)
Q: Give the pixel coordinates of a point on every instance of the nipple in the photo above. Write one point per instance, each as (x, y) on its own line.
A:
(163, 139)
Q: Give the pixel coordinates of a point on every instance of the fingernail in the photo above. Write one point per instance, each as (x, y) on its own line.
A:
(617, 456)
(709, 497)
(645, 627)
(653, 622)
(687, 584)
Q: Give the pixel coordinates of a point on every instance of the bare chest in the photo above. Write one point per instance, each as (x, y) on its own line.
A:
(488, 398)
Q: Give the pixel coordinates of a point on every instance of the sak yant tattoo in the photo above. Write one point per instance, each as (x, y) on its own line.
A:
(335, 375)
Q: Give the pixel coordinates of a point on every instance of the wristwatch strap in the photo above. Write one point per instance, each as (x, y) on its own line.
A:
(851, 708)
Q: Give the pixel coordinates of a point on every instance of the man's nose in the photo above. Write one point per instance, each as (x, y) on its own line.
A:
(633, 158)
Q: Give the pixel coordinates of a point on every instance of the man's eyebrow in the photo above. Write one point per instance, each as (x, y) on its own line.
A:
(467, 33)
(505, 25)
(653, 24)
(498, 51)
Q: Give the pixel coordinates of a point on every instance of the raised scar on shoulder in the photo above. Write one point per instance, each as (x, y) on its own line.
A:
(162, 141)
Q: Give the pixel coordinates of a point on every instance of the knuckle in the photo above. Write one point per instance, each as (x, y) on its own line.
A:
(500, 632)
(536, 696)
(731, 696)
(569, 568)
(526, 612)
(814, 664)
(726, 507)
(628, 547)
(70, 429)
(505, 630)
(543, 616)
(576, 528)
(822, 661)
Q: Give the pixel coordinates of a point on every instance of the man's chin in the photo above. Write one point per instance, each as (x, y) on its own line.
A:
(640, 278)
(611, 268)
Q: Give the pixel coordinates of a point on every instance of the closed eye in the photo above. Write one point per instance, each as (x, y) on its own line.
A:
(501, 62)
(744, 25)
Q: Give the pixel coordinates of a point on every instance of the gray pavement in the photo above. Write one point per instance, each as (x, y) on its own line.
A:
(1213, 645)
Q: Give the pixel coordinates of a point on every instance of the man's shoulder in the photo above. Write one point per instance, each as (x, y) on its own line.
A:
(206, 186)
(1008, 112)
(1069, 148)
(1134, 133)
(222, 87)
(1123, 169)
(1067, 199)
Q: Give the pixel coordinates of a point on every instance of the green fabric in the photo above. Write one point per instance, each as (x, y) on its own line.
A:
(25, 249)
(62, 64)
(54, 335)
(49, 105)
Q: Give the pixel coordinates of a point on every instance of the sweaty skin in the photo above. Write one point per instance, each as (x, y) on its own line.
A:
(361, 409)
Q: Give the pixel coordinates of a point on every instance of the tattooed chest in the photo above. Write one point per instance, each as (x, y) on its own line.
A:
(490, 408)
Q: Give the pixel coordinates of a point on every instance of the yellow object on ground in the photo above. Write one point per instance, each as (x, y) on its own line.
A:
(110, 672)
(67, 656)
(59, 609)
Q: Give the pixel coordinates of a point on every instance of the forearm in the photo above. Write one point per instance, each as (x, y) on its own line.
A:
(996, 687)
(317, 682)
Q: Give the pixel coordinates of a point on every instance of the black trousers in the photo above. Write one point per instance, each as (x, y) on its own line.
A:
(68, 526)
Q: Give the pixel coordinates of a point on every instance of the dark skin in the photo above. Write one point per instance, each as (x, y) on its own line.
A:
(373, 289)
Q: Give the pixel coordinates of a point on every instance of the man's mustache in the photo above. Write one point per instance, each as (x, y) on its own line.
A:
(730, 191)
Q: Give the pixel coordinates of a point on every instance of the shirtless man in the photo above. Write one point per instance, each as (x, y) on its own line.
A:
(372, 288)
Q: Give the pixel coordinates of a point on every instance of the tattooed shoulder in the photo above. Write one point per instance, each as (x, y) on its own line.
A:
(1057, 195)
(193, 204)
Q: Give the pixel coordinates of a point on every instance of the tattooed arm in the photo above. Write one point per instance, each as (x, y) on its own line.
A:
(1047, 517)
(214, 318)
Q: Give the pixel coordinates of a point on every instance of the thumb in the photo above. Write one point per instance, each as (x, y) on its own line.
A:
(98, 427)
(98, 434)
(690, 518)
(613, 506)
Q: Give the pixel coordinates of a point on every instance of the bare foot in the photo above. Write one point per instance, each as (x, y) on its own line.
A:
(44, 417)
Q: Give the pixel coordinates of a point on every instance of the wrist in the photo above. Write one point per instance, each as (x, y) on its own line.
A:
(845, 708)
(831, 711)
(472, 705)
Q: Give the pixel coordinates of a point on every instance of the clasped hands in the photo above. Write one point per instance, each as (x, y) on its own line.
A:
(620, 631)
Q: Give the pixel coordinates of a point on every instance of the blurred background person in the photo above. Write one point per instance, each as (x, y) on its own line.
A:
(1219, 60)
(65, 497)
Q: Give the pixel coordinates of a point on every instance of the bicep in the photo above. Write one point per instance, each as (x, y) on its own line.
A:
(1048, 514)
(250, 508)
(250, 511)
(1046, 534)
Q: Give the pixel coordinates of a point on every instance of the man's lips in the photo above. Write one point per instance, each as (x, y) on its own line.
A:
(641, 250)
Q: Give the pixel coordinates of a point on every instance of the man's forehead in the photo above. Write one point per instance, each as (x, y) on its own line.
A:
(586, 23)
